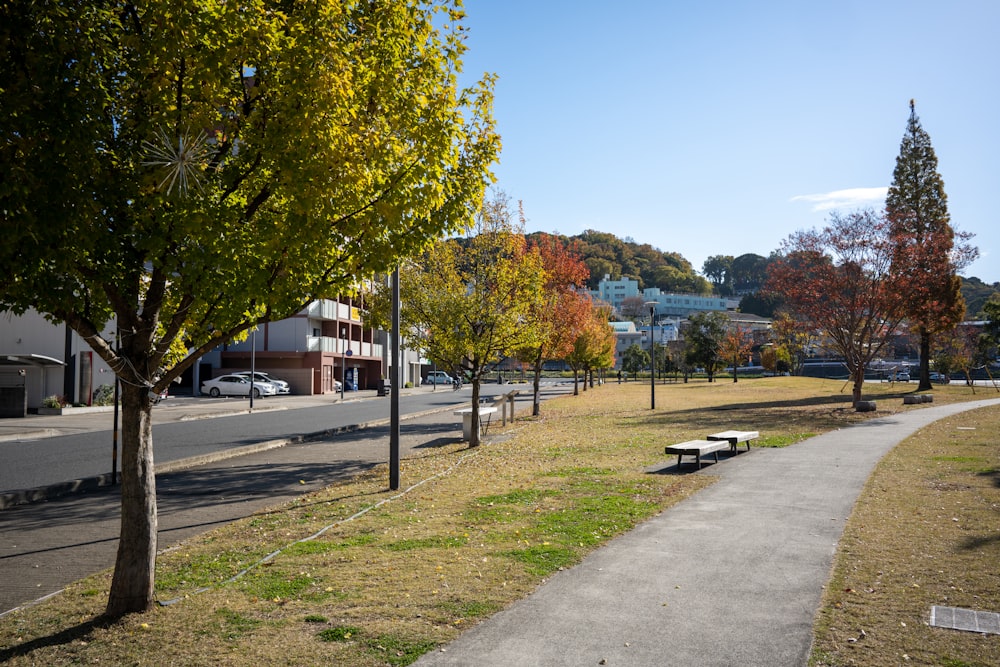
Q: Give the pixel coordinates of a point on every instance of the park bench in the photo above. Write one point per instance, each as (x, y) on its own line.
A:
(735, 437)
(697, 448)
(466, 414)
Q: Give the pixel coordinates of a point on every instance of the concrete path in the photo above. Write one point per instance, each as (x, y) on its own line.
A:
(731, 576)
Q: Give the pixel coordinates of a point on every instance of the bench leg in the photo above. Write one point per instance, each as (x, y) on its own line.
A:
(679, 461)
(716, 455)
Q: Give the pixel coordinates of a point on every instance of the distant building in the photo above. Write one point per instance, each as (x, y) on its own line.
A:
(673, 305)
(615, 291)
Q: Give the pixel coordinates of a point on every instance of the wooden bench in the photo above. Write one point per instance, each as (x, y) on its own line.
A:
(697, 448)
(735, 437)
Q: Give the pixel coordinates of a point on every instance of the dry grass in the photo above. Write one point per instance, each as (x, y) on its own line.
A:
(926, 531)
(481, 529)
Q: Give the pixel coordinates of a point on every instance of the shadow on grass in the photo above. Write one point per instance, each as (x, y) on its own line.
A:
(62, 638)
(830, 411)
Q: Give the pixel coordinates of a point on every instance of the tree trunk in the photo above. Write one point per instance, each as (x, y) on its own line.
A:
(859, 381)
(474, 436)
(536, 401)
(925, 360)
(132, 584)
(576, 382)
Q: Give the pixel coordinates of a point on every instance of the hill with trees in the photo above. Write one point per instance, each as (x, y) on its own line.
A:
(725, 275)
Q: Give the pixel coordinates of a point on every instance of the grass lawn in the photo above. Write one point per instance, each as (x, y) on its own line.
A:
(925, 531)
(388, 577)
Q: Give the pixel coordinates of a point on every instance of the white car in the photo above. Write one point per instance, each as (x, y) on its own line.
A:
(237, 385)
(280, 385)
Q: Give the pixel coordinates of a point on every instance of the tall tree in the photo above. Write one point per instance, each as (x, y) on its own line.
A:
(719, 270)
(476, 302)
(189, 170)
(926, 251)
(840, 280)
(563, 307)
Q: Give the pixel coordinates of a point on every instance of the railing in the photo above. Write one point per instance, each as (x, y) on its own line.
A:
(340, 346)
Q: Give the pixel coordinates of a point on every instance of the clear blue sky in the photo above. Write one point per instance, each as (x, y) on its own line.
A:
(721, 127)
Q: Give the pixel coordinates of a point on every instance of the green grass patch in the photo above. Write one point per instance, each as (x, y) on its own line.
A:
(272, 583)
(341, 633)
(783, 440)
(235, 625)
(544, 559)
(399, 651)
(432, 542)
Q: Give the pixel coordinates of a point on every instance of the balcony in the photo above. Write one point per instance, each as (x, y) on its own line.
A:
(340, 346)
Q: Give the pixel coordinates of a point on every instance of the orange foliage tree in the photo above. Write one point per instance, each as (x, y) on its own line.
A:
(563, 310)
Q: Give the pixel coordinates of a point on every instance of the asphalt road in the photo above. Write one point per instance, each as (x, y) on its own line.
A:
(31, 463)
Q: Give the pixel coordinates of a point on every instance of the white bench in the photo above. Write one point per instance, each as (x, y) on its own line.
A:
(466, 414)
(735, 437)
(697, 448)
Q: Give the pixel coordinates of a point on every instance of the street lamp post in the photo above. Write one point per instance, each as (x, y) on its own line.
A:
(343, 362)
(652, 357)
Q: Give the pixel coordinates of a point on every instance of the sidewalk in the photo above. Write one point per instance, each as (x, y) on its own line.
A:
(730, 576)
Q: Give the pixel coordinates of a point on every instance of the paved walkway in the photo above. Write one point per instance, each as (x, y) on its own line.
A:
(731, 576)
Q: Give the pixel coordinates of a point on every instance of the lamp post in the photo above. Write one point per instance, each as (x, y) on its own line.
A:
(343, 362)
(652, 357)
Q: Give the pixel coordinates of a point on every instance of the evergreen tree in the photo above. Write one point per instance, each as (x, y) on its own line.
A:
(926, 257)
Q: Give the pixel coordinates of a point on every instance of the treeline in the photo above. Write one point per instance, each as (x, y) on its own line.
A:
(726, 275)
(606, 254)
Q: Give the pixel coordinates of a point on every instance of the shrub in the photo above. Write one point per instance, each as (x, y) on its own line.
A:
(54, 401)
(104, 395)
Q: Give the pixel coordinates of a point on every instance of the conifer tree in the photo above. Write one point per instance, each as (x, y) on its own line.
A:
(928, 253)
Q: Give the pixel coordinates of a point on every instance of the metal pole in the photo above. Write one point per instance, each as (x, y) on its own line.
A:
(253, 369)
(394, 384)
(343, 362)
(114, 440)
(114, 436)
(652, 361)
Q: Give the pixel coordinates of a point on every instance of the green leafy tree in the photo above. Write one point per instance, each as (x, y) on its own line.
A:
(927, 255)
(704, 335)
(189, 170)
(719, 270)
(635, 359)
(476, 302)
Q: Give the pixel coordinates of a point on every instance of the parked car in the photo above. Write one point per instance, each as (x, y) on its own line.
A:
(903, 376)
(280, 385)
(439, 377)
(939, 377)
(237, 385)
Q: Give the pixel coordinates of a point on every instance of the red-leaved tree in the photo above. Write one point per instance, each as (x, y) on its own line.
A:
(563, 311)
(840, 280)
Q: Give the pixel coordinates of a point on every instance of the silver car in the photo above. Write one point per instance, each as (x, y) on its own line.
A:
(237, 385)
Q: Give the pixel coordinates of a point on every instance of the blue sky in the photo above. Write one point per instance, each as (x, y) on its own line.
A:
(721, 127)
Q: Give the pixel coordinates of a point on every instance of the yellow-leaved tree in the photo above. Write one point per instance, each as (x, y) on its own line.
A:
(188, 170)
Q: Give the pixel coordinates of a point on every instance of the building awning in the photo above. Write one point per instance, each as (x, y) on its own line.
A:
(39, 360)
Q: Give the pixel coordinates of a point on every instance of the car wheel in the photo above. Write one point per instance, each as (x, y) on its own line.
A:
(214, 392)
(256, 392)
